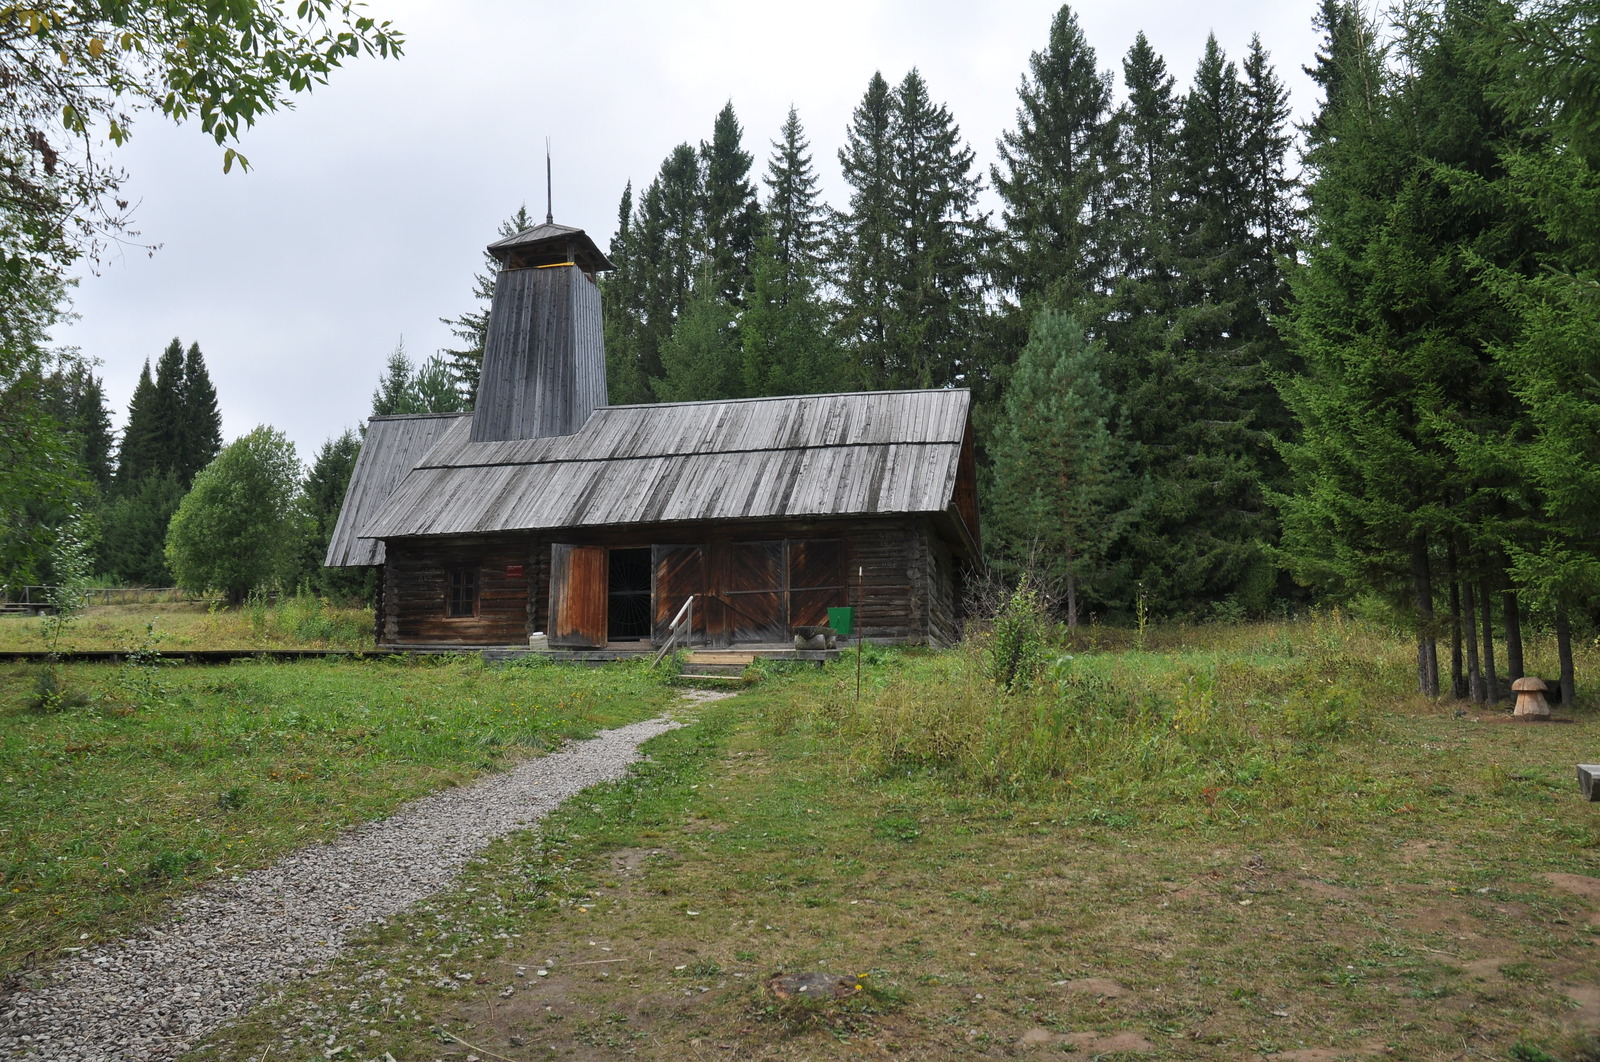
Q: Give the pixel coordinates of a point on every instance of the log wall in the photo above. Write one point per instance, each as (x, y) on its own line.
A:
(899, 573)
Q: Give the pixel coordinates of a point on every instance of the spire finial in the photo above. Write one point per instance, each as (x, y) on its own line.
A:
(549, 215)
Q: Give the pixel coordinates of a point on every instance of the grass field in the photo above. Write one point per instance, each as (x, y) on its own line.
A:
(167, 776)
(300, 622)
(1239, 843)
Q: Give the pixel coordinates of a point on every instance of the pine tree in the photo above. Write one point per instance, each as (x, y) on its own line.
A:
(1054, 456)
(394, 396)
(200, 423)
(472, 327)
(1055, 171)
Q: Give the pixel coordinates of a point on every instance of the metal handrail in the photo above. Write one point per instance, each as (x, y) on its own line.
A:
(675, 627)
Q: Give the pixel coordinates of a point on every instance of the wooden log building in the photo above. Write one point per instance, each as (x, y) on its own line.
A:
(546, 511)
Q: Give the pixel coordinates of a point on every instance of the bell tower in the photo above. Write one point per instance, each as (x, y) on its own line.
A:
(544, 358)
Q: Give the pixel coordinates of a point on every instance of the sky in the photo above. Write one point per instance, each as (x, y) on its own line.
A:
(367, 206)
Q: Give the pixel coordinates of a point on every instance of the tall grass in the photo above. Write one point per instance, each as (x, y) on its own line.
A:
(1190, 727)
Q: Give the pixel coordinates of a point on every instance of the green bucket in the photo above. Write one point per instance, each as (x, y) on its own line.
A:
(843, 621)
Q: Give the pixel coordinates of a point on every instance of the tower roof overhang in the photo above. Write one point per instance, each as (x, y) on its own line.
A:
(550, 244)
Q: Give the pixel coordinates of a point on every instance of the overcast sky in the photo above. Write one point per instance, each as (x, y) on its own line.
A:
(369, 204)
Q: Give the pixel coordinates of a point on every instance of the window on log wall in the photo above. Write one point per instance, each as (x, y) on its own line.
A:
(463, 596)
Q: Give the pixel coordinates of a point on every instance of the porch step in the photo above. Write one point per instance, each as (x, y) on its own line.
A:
(720, 658)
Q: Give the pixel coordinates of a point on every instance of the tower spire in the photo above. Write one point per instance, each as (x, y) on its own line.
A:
(549, 215)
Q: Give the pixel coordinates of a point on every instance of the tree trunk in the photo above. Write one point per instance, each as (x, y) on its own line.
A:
(1514, 666)
(1569, 682)
(1458, 684)
(1427, 645)
(1469, 606)
(1072, 592)
(1491, 681)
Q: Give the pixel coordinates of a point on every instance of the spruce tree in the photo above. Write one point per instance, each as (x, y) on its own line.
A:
(866, 238)
(784, 331)
(796, 218)
(1054, 173)
(702, 359)
(939, 300)
(321, 500)
(623, 309)
(667, 246)
(911, 282)
(200, 423)
(136, 455)
(729, 210)
(166, 438)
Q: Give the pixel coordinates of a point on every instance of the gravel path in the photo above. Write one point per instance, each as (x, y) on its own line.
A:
(154, 995)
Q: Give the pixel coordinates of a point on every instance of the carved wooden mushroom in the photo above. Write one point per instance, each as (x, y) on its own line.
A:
(1530, 698)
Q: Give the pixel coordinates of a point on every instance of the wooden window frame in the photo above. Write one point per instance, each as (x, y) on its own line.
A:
(457, 582)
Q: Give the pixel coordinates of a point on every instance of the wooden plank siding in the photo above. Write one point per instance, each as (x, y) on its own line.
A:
(543, 356)
(907, 590)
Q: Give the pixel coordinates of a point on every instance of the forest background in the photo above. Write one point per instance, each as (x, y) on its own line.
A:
(1222, 366)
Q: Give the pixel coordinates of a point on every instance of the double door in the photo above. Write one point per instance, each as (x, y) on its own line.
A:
(745, 592)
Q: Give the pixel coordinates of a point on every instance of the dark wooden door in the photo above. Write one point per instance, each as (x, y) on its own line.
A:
(578, 583)
(679, 572)
(816, 580)
(754, 592)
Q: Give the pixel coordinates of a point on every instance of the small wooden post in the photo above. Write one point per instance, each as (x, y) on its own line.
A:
(861, 582)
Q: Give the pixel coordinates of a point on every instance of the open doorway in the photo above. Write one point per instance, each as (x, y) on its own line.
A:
(628, 617)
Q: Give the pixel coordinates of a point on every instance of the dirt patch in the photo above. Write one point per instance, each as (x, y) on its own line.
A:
(1317, 887)
(1094, 986)
(1325, 1054)
(1587, 998)
(1484, 969)
(1577, 884)
(1419, 851)
(1087, 1041)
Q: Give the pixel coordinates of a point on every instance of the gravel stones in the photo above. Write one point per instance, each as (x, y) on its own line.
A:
(156, 994)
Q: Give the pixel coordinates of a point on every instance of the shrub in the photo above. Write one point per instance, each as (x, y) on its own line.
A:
(1017, 641)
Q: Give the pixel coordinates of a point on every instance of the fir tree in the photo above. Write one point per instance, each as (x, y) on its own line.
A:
(405, 388)
(667, 246)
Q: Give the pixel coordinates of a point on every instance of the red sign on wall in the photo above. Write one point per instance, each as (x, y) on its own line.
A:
(516, 571)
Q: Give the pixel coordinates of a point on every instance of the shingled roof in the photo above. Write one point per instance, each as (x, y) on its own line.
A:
(808, 456)
(392, 447)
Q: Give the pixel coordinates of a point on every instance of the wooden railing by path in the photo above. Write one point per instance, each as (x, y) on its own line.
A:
(682, 622)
